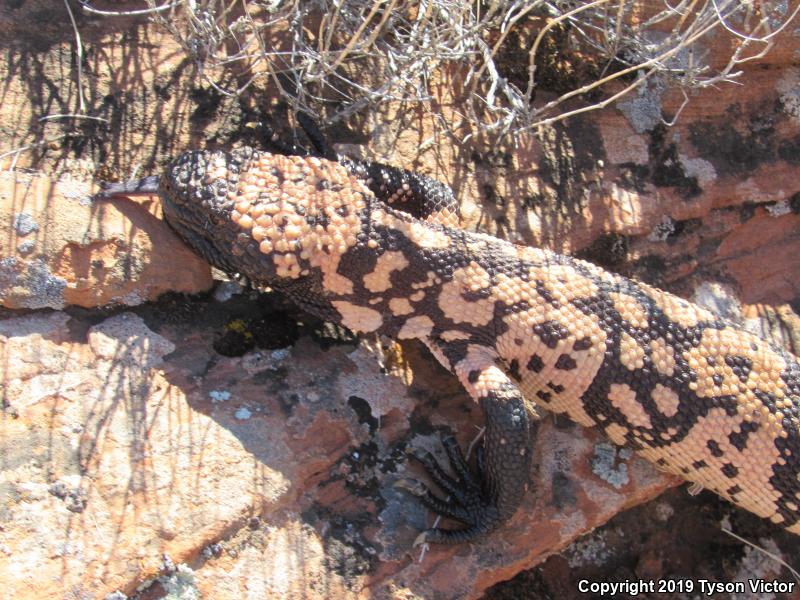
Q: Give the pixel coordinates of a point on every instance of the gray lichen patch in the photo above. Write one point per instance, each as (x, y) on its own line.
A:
(700, 169)
(609, 464)
(26, 247)
(30, 284)
(662, 230)
(643, 111)
(179, 582)
(779, 208)
(591, 549)
(181, 585)
(789, 89)
(25, 224)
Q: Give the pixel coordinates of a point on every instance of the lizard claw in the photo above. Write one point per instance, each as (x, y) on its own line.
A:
(420, 539)
(467, 500)
(412, 486)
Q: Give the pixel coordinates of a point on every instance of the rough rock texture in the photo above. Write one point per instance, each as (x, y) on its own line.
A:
(713, 197)
(642, 543)
(271, 475)
(126, 450)
(62, 248)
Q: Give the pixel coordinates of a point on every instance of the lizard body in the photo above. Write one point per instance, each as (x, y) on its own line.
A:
(521, 328)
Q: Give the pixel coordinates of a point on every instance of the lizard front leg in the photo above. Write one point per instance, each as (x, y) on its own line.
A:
(487, 498)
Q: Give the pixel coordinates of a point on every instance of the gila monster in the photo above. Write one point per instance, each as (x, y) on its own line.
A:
(377, 249)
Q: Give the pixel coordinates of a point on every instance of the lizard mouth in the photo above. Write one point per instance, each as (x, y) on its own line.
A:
(192, 218)
(194, 198)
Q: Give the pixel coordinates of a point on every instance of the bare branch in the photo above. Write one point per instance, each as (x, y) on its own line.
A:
(126, 13)
(72, 116)
(78, 57)
(334, 58)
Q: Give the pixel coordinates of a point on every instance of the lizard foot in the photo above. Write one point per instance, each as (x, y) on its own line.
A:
(469, 498)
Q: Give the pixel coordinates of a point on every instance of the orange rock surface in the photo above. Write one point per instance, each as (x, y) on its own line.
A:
(270, 474)
(61, 247)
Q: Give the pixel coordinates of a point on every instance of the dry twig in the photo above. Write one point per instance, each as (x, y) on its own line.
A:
(333, 58)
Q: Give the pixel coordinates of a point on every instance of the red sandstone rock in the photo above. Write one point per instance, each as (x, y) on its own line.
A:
(127, 445)
(61, 247)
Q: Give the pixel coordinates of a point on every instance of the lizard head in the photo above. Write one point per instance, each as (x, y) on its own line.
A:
(269, 217)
